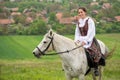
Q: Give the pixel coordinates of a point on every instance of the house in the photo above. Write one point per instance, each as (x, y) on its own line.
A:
(15, 0)
(94, 3)
(67, 21)
(26, 10)
(59, 15)
(107, 19)
(14, 9)
(54, 0)
(117, 18)
(106, 5)
(73, 10)
(95, 12)
(38, 14)
(1, 0)
(3, 15)
(15, 14)
(40, 0)
(58, 0)
(28, 20)
(44, 13)
(4, 22)
(62, 20)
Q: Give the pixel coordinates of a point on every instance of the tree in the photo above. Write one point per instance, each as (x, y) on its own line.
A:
(37, 27)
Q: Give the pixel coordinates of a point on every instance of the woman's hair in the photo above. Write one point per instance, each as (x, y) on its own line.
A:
(83, 8)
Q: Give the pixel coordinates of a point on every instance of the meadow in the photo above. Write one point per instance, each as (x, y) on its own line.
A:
(18, 63)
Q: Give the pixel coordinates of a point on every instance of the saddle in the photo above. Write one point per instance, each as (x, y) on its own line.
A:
(91, 63)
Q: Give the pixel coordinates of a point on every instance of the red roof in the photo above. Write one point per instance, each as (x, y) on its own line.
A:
(29, 20)
(106, 6)
(6, 21)
(94, 3)
(15, 13)
(15, 9)
(59, 15)
(117, 18)
(68, 20)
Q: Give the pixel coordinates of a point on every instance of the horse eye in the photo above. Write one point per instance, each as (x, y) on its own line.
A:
(44, 42)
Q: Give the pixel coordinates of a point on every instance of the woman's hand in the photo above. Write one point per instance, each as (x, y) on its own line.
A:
(77, 18)
(77, 41)
(83, 43)
(80, 43)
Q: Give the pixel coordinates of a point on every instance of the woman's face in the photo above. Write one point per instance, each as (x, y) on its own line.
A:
(81, 13)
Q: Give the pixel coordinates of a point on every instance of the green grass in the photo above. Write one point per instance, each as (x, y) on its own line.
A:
(18, 63)
(17, 47)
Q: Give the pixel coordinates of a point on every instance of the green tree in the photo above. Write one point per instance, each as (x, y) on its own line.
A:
(37, 27)
(52, 17)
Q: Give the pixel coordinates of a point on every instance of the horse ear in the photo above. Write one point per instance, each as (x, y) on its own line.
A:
(50, 33)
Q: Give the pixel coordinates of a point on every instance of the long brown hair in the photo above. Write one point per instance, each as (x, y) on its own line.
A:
(83, 8)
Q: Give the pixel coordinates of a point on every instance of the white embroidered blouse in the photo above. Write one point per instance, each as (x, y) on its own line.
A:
(90, 34)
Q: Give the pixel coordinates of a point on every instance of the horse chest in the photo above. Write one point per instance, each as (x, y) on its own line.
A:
(75, 69)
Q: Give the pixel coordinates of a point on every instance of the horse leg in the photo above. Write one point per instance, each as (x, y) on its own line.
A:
(81, 77)
(68, 77)
(100, 71)
(93, 75)
(100, 74)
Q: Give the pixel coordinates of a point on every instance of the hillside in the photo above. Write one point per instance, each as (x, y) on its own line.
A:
(21, 47)
(28, 16)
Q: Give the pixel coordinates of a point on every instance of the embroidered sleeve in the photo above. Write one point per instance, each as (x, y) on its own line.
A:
(91, 30)
(77, 33)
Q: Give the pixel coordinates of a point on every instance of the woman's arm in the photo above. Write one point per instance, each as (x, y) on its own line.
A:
(77, 33)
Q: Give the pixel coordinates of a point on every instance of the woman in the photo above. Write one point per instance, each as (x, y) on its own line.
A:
(85, 35)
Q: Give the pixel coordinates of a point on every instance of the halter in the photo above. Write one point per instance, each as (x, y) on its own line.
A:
(55, 53)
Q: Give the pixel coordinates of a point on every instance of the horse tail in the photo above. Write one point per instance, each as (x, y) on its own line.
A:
(108, 54)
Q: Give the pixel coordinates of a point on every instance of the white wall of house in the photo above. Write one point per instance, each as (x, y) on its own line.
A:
(94, 0)
(1, 0)
(14, 0)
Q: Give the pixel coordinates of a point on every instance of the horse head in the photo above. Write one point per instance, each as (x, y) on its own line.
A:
(44, 45)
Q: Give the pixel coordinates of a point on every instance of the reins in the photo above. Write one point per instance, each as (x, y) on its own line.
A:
(67, 51)
(55, 53)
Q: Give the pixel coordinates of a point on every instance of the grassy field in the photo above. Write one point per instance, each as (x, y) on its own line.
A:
(18, 63)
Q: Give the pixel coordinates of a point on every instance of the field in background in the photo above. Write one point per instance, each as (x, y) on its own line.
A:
(18, 63)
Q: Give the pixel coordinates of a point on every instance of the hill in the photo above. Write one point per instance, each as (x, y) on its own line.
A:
(28, 16)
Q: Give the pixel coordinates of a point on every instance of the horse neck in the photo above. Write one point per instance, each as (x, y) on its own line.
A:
(62, 43)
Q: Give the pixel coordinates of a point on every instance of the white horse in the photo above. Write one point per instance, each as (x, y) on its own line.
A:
(74, 62)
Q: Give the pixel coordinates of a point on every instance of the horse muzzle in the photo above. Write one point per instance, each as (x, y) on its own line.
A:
(37, 55)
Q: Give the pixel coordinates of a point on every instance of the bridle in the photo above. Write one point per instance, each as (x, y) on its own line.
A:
(55, 53)
(51, 42)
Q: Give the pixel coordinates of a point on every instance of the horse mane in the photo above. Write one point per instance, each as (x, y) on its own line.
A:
(60, 36)
(64, 38)
(70, 44)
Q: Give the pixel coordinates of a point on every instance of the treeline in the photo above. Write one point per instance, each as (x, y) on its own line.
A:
(39, 26)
